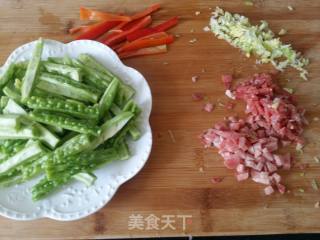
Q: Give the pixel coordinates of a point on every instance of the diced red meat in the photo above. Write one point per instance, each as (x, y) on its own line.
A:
(276, 177)
(230, 105)
(216, 179)
(303, 166)
(249, 145)
(271, 167)
(197, 96)
(287, 161)
(260, 177)
(208, 107)
(194, 79)
(268, 190)
(227, 80)
(241, 168)
(285, 143)
(281, 188)
(242, 176)
(231, 163)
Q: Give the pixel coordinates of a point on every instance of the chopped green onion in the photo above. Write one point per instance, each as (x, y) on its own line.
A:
(314, 185)
(257, 39)
(248, 2)
(282, 32)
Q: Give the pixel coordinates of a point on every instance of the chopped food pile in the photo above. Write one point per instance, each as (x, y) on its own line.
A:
(129, 36)
(63, 118)
(259, 40)
(250, 145)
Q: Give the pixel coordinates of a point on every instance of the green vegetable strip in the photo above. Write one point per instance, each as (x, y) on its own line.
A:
(57, 82)
(10, 147)
(57, 60)
(47, 136)
(130, 128)
(44, 134)
(41, 93)
(93, 63)
(134, 132)
(45, 186)
(111, 127)
(30, 151)
(61, 85)
(66, 60)
(33, 169)
(64, 122)
(72, 72)
(32, 70)
(19, 73)
(91, 72)
(13, 108)
(12, 133)
(13, 94)
(87, 178)
(3, 102)
(124, 94)
(24, 172)
(95, 82)
(131, 106)
(86, 162)
(10, 121)
(55, 129)
(65, 80)
(115, 110)
(7, 75)
(107, 98)
(11, 178)
(74, 108)
(74, 145)
(22, 65)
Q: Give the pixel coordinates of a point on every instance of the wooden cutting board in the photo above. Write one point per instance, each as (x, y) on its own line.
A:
(172, 182)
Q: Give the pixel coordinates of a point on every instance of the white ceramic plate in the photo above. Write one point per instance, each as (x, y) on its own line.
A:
(75, 201)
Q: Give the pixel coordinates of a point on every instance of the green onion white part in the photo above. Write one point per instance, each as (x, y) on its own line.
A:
(258, 40)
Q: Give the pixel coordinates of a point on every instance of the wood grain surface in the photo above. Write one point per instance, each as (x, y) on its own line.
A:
(172, 182)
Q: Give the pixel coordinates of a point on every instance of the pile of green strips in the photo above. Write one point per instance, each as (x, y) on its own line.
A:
(62, 117)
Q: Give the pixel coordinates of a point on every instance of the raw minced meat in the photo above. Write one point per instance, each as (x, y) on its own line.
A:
(250, 145)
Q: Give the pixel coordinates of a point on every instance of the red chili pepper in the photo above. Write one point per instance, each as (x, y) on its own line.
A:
(146, 42)
(147, 31)
(139, 15)
(96, 30)
(144, 52)
(118, 37)
(156, 35)
(167, 25)
(146, 12)
(76, 29)
(119, 45)
(88, 14)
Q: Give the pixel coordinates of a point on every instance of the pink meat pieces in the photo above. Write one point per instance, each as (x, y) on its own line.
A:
(208, 107)
(269, 190)
(227, 80)
(249, 145)
(197, 96)
(216, 179)
(272, 108)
